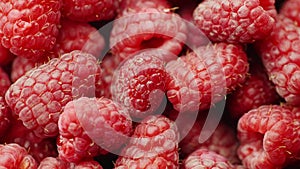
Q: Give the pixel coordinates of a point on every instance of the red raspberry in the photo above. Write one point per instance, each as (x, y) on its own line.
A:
(154, 144)
(194, 79)
(147, 28)
(109, 64)
(55, 163)
(4, 82)
(5, 117)
(291, 9)
(87, 125)
(235, 21)
(29, 28)
(89, 10)
(256, 91)
(269, 136)
(280, 54)
(5, 56)
(204, 158)
(38, 97)
(14, 156)
(139, 84)
(37, 148)
(223, 141)
(134, 6)
(77, 36)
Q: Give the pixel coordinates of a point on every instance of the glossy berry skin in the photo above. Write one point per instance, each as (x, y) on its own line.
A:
(280, 55)
(38, 97)
(154, 144)
(4, 82)
(269, 136)
(204, 158)
(14, 156)
(29, 28)
(139, 84)
(89, 10)
(199, 79)
(89, 127)
(235, 21)
(291, 9)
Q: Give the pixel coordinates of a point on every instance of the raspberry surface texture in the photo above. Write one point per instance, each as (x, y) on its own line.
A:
(291, 9)
(89, 10)
(14, 156)
(55, 163)
(29, 28)
(269, 136)
(89, 127)
(38, 97)
(139, 84)
(5, 117)
(149, 28)
(4, 82)
(280, 55)
(154, 144)
(235, 21)
(203, 158)
(205, 76)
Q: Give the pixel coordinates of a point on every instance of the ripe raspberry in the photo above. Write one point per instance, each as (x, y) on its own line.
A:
(134, 6)
(38, 97)
(139, 84)
(14, 156)
(4, 82)
(280, 54)
(108, 66)
(154, 144)
(77, 36)
(55, 163)
(235, 21)
(139, 30)
(29, 28)
(89, 10)
(37, 148)
(223, 141)
(5, 56)
(204, 158)
(89, 125)
(291, 9)
(5, 117)
(256, 91)
(269, 136)
(194, 79)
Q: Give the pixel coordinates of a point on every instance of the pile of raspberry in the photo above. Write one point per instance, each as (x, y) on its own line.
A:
(140, 84)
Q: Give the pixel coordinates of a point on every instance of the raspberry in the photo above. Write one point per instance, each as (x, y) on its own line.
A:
(4, 82)
(139, 84)
(37, 148)
(29, 28)
(235, 21)
(55, 163)
(147, 28)
(14, 156)
(5, 56)
(280, 54)
(77, 36)
(38, 97)
(134, 6)
(154, 144)
(109, 64)
(222, 141)
(89, 10)
(5, 117)
(256, 91)
(86, 125)
(291, 9)
(194, 79)
(269, 136)
(203, 158)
